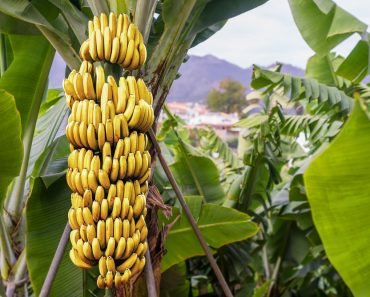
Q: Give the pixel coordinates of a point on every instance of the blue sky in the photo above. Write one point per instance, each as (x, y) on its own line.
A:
(268, 34)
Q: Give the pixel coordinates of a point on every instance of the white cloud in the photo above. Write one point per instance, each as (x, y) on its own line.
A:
(268, 34)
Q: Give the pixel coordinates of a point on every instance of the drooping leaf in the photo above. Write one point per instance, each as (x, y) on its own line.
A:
(26, 77)
(339, 194)
(219, 226)
(196, 173)
(10, 137)
(323, 24)
(252, 121)
(47, 127)
(356, 66)
(46, 218)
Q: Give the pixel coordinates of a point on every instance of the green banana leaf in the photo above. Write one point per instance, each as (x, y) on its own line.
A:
(46, 218)
(10, 137)
(219, 226)
(338, 190)
(323, 24)
(26, 77)
(196, 173)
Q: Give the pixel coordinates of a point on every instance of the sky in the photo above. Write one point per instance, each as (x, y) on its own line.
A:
(268, 34)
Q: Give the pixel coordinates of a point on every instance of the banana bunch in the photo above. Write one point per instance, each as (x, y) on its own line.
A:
(116, 40)
(109, 165)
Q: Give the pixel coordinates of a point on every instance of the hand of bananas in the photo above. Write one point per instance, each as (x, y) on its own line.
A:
(109, 166)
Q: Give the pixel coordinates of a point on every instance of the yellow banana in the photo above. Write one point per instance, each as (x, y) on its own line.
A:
(104, 179)
(123, 41)
(96, 211)
(96, 22)
(73, 237)
(142, 53)
(117, 228)
(136, 117)
(120, 188)
(73, 159)
(116, 129)
(90, 232)
(88, 159)
(129, 108)
(109, 130)
(87, 250)
(113, 23)
(101, 136)
(83, 134)
(112, 193)
(87, 216)
(115, 170)
(107, 164)
(78, 183)
(126, 23)
(100, 233)
(107, 150)
(120, 249)
(83, 232)
(130, 214)
(109, 279)
(137, 189)
(145, 176)
(103, 21)
(122, 167)
(95, 165)
(129, 54)
(87, 197)
(126, 229)
(124, 126)
(117, 280)
(129, 187)
(72, 219)
(124, 208)
(88, 86)
(76, 260)
(116, 211)
(104, 209)
(97, 117)
(139, 266)
(69, 88)
(84, 51)
(133, 141)
(135, 60)
(130, 165)
(100, 80)
(103, 266)
(143, 233)
(92, 181)
(111, 266)
(81, 159)
(138, 163)
(99, 44)
(111, 246)
(126, 276)
(114, 87)
(99, 195)
(128, 263)
(119, 149)
(108, 229)
(119, 25)
(132, 230)
(76, 134)
(100, 282)
(140, 223)
(97, 253)
(145, 165)
(122, 100)
(78, 85)
(136, 238)
(127, 148)
(91, 137)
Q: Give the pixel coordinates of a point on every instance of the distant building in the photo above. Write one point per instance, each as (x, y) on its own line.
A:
(197, 115)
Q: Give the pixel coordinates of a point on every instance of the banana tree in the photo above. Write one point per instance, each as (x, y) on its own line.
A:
(33, 191)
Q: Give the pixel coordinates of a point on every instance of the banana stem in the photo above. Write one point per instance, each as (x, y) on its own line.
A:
(3, 58)
(18, 271)
(53, 269)
(144, 16)
(6, 244)
(190, 217)
(149, 276)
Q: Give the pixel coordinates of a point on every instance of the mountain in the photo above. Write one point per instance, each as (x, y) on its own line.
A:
(200, 74)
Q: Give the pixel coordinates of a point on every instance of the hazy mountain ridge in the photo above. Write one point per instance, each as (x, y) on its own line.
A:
(200, 74)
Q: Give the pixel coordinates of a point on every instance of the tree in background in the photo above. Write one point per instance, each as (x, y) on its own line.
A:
(229, 97)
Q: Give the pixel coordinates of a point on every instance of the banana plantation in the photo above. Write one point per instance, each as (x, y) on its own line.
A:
(105, 191)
